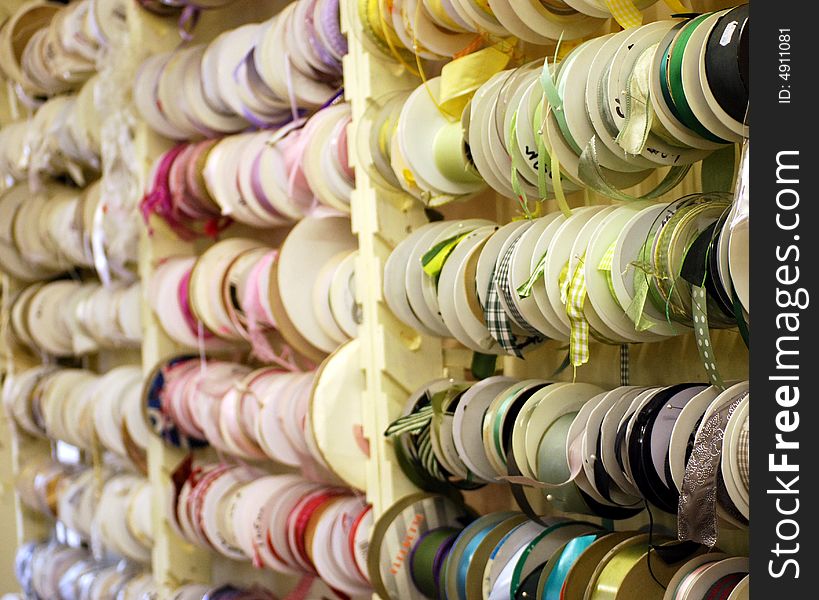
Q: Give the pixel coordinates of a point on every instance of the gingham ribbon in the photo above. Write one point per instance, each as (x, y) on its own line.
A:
(575, 303)
(509, 292)
(625, 13)
(625, 375)
(605, 266)
(498, 322)
(628, 15)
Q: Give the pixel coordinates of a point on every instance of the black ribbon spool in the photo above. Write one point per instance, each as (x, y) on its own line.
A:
(518, 490)
(602, 479)
(727, 62)
(619, 442)
(649, 482)
(676, 552)
(528, 587)
(700, 267)
(717, 290)
(615, 513)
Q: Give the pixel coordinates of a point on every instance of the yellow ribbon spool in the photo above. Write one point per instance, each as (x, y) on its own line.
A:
(462, 77)
(624, 571)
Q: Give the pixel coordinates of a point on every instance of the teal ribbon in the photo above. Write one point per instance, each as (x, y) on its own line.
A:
(569, 556)
(466, 559)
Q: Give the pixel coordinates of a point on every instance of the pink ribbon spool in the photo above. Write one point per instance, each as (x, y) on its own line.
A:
(163, 203)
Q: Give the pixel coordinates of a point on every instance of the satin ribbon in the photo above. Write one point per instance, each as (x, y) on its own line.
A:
(571, 553)
(674, 74)
(433, 259)
(427, 558)
(466, 558)
(525, 289)
(462, 77)
(258, 320)
(552, 101)
(610, 579)
(644, 448)
(727, 62)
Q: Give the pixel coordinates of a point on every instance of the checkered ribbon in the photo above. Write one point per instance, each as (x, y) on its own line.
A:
(498, 322)
(605, 266)
(509, 293)
(625, 13)
(575, 303)
(628, 15)
(625, 375)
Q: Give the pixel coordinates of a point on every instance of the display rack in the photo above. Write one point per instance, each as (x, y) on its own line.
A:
(396, 359)
(176, 562)
(399, 360)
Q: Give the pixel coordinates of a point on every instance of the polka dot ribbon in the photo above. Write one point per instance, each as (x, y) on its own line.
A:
(703, 337)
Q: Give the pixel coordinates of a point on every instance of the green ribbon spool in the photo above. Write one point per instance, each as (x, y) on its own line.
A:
(554, 94)
(450, 157)
(553, 469)
(426, 554)
(675, 81)
(611, 577)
